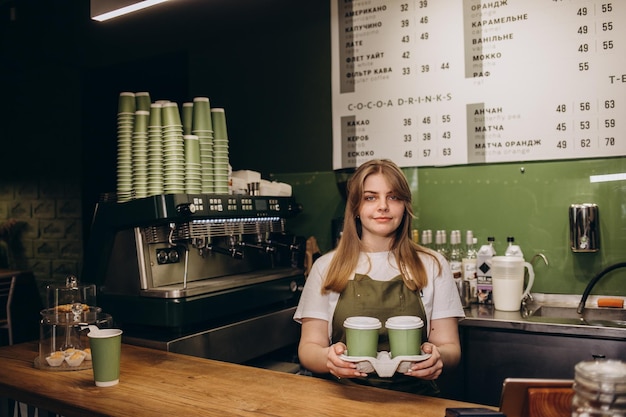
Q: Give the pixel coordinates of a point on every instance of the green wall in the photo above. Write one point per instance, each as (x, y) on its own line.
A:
(527, 200)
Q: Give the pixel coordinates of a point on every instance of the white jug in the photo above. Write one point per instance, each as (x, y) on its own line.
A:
(507, 277)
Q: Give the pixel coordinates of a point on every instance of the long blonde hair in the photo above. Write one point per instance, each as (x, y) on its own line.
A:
(406, 252)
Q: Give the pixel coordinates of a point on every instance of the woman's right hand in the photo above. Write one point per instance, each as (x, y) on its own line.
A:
(317, 356)
(337, 366)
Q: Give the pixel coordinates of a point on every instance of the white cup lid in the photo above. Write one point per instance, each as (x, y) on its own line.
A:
(362, 323)
(404, 322)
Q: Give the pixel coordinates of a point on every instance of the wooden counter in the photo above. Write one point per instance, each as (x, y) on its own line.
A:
(155, 382)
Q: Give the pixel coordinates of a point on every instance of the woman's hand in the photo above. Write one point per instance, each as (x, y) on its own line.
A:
(317, 356)
(443, 345)
(430, 368)
(338, 367)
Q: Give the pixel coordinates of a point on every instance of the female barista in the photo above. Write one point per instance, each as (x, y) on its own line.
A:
(378, 271)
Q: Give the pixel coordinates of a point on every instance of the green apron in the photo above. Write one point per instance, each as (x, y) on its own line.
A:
(364, 296)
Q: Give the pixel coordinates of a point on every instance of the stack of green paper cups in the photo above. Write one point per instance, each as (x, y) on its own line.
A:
(220, 151)
(173, 149)
(193, 172)
(140, 154)
(155, 151)
(125, 126)
(203, 129)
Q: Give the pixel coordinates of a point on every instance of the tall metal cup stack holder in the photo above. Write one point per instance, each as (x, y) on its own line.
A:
(63, 346)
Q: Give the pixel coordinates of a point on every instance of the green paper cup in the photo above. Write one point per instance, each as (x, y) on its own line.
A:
(126, 103)
(218, 119)
(142, 101)
(362, 335)
(187, 118)
(405, 335)
(192, 149)
(106, 347)
(170, 116)
(155, 116)
(141, 121)
(201, 114)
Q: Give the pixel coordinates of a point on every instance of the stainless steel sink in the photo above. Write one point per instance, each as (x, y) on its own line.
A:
(602, 317)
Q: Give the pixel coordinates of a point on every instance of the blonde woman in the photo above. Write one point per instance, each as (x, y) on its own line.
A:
(378, 271)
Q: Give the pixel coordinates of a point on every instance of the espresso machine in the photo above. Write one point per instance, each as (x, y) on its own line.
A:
(214, 276)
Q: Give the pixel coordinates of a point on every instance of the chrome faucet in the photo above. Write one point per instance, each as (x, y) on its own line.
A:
(530, 297)
(540, 255)
(593, 282)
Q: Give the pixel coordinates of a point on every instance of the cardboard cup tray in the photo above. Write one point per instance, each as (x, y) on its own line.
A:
(383, 364)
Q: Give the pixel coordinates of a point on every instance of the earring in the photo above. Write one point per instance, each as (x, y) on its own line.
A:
(357, 217)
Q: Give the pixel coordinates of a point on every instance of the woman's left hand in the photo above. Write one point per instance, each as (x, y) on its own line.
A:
(430, 368)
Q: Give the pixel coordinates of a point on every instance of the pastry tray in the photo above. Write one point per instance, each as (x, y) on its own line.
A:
(39, 364)
(383, 364)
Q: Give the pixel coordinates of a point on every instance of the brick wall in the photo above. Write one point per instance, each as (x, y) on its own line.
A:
(53, 239)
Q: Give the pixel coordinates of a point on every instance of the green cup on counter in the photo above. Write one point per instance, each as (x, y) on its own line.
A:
(405, 335)
(106, 348)
(362, 335)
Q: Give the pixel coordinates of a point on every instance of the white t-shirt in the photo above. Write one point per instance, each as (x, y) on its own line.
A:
(440, 296)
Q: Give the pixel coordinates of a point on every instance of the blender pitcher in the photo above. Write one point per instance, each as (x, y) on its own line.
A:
(507, 277)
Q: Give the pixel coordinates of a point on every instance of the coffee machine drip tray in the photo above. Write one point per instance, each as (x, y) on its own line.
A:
(213, 285)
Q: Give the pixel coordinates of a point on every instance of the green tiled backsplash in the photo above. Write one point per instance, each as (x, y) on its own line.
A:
(529, 201)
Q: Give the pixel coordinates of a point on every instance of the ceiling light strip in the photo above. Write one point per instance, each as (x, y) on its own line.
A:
(125, 10)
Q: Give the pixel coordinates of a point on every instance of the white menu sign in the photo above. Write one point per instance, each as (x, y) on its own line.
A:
(450, 82)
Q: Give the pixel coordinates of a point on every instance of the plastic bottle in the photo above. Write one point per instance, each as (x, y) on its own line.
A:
(441, 244)
(483, 271)
(469, 264)
(427, 238)
(513, 249)
(456, 255)
(456, 261)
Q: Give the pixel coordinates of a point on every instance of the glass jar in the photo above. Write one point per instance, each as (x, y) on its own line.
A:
(599, 389)
(69, 308)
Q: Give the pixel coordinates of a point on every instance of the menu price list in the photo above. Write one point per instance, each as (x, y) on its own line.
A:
(448, 82)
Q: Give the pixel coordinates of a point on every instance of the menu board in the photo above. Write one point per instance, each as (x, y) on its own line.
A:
(452, 82)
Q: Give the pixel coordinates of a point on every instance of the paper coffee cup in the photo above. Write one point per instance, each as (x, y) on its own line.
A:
(405, 335)
(106, 347)
(126, 103)
(362, 335)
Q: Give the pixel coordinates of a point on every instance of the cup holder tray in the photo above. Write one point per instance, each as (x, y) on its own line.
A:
(383, 364)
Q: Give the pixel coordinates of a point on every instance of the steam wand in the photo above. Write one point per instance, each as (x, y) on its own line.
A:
(170, 240)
